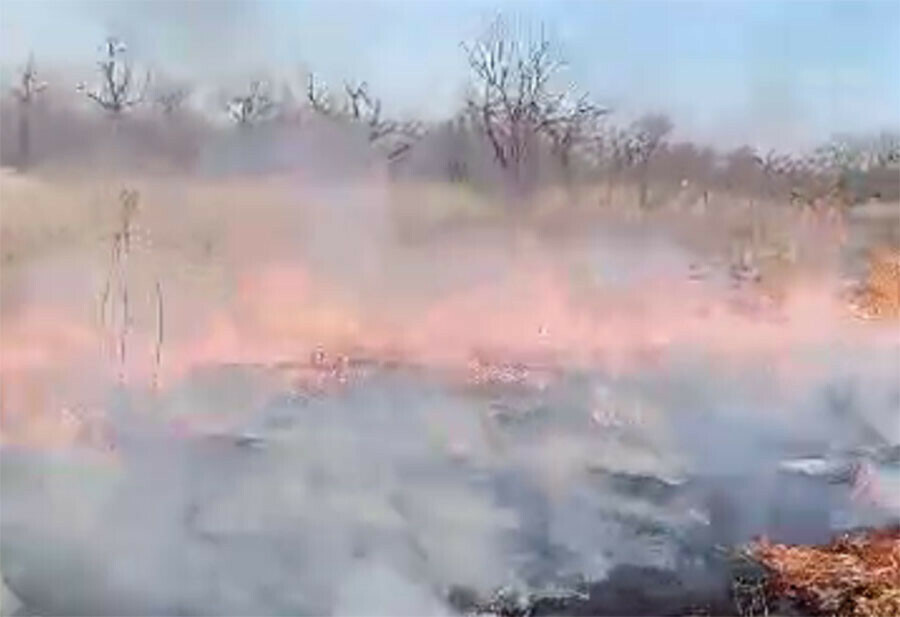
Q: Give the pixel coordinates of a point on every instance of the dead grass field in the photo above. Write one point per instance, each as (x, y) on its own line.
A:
(269, 269)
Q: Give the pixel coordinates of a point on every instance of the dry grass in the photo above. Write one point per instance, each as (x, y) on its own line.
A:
(43, 214)
(855, 575)
(422, 209)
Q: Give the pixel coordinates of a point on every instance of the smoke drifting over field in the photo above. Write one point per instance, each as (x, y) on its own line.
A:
(487, 412)
(271, 348)
(379, 499)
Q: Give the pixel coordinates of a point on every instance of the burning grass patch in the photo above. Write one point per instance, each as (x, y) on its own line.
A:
(857, 574)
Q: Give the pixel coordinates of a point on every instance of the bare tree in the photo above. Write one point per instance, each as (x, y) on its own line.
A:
(515, 103)
(648, 134)
(361, 108)
(117, 90)
(395, 137)
(511, 91)
(26, 92)
(253, 106)
(571, 126)
(318, 97)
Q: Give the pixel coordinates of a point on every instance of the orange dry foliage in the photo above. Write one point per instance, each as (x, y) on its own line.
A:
(856, 574)
(880, 295)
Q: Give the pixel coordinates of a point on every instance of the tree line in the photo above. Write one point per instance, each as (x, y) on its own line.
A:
(520, 125)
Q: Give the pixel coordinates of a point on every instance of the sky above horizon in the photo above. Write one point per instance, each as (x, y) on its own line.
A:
(729, 72)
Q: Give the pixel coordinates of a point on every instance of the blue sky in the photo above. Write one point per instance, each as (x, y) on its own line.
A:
(779, 74)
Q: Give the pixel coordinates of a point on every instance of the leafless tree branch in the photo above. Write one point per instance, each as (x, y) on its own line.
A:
(361, 108)
(253, 106)
(514, 102)
(26, 92)
(117, 90)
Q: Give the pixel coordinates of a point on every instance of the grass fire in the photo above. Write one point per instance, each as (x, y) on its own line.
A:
(433, 309)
